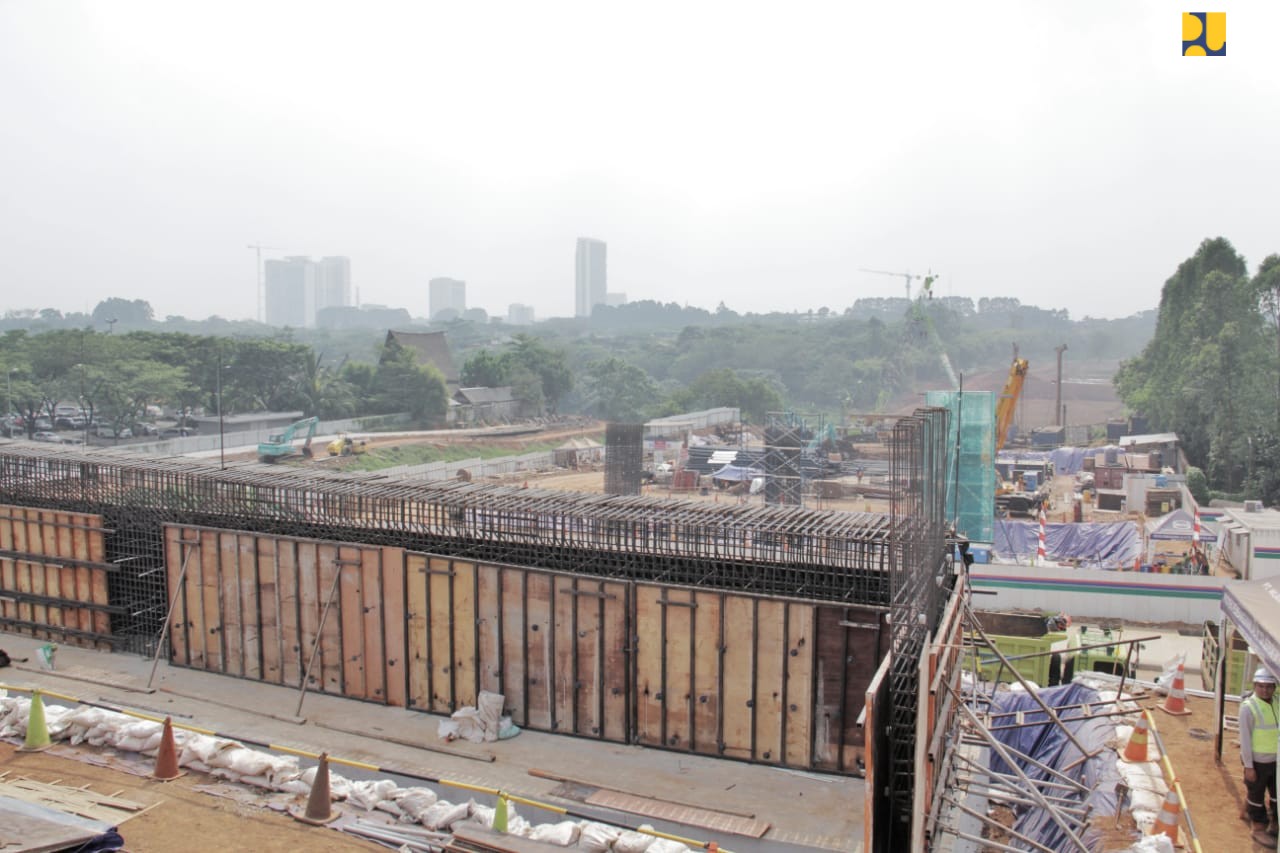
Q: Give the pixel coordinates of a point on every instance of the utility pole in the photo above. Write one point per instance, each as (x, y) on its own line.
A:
(258, 274)
(1057, 408)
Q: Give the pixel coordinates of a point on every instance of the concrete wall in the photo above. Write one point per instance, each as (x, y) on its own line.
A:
(1092, 593)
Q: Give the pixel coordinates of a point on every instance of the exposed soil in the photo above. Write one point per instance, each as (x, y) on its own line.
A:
(183, 819)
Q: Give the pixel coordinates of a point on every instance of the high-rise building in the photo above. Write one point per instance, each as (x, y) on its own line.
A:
(520, 315)
(333, 283)
(446, 294)
(590, 276)
(290, 290)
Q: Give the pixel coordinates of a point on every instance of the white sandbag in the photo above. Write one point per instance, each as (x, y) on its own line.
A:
(470, 726)
(392, 808)
(444, 814)
(292, 786)
(597, 837)
(366, 794)
(415, 801)
(130, 744)
(448, 730)
(563, 834)
(666, 845)
(489, 708)
(632, 842)
(245, 761)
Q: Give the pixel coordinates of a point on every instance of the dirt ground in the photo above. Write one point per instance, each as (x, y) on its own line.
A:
(183, 818)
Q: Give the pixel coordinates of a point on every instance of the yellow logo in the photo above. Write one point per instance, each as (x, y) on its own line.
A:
(1204, 33)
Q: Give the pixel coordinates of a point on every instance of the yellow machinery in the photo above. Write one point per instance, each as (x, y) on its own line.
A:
(1009, 400)
(345, 445)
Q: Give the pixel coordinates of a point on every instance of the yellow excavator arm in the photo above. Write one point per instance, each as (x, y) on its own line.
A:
(1009, 400)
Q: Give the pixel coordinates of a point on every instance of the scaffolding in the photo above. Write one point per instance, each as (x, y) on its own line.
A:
(787, 437)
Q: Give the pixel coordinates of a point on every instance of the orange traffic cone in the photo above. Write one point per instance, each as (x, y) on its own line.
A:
(1176, 704)
(1136, 748)
(318, 811)
(1167, 821)
(167, 757)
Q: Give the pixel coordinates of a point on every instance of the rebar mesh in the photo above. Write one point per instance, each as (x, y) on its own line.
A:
(786, 551)
(918, 584)
(623, 458)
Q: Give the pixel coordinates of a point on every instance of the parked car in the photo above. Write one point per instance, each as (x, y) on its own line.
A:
(45, 435)
(176, 432)
(145, 429)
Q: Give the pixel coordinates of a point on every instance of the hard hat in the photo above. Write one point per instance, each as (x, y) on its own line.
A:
(1261, 676)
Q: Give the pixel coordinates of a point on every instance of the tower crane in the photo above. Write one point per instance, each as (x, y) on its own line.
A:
(258, 253)
(927, 287)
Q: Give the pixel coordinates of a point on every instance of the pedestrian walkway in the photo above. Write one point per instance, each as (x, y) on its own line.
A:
(804, 809)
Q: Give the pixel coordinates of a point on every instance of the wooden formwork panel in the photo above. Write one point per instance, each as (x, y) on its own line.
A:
(284, 609)
(52, 566)
(751, 678)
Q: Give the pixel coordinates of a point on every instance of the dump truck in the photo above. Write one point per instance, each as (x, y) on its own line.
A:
(1046, 649)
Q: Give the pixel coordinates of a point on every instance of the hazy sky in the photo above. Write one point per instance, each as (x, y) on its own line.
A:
(757, 154)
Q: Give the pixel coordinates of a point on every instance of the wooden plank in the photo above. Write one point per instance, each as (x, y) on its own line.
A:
(351, 623)
(193, 600)
(440, 635)
(539, 638)
(678, 689)
(488, 615)
(679, 813)
(649, 687)
(394, 619)
(250, 612)
(66, 575)
(738, 668)
(229, 602)
(564, 651)
(375, 659)
(179, 653)
(211, 621)
(515, 637)
(98, 577)
(706, 678)
(269, 607)
(464, 634)
(770, 649)
(83, 584)
(292, 652)
(331, 651)
(45, 575)
(22, 544)
(614, 676)
(8, 567)
(311, 652)
(798, 680)
(589, 667)
(419, 649)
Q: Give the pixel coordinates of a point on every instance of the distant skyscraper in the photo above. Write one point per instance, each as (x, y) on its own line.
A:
(333, 283)
(590, 276)
(290, 287)
(520, 315)
(447, 293)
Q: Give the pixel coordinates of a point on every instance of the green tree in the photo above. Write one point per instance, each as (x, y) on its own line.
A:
(485, 370)
(617, 391)
(401, 384)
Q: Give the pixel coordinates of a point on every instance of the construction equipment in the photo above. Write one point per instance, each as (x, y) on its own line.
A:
(925, 290)
(279, 445)
(345, 445)
(1009, 400)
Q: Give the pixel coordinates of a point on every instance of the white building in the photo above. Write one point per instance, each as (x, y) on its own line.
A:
(446, 294)
(290, 292)
(590, 276)
(333, 283)
(520, 315)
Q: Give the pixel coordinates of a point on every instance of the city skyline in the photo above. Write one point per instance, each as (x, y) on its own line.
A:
(764, 163)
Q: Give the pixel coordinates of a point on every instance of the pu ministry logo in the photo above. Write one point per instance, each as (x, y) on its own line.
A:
(1204, 33)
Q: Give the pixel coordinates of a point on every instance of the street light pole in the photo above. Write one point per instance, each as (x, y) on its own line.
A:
(222, 450)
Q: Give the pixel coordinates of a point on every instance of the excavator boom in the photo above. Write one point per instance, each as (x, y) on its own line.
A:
(1009, 400)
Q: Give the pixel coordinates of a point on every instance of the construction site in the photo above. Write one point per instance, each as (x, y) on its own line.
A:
(682, 673)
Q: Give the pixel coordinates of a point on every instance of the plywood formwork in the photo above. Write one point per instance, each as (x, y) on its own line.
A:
(53, 578)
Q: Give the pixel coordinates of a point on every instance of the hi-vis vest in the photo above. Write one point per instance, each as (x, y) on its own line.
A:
(1265, 729)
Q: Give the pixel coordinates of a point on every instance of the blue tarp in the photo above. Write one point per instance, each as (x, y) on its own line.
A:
(1049, 745)
(734, 474)
(1068, 460)
(1109, 546)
